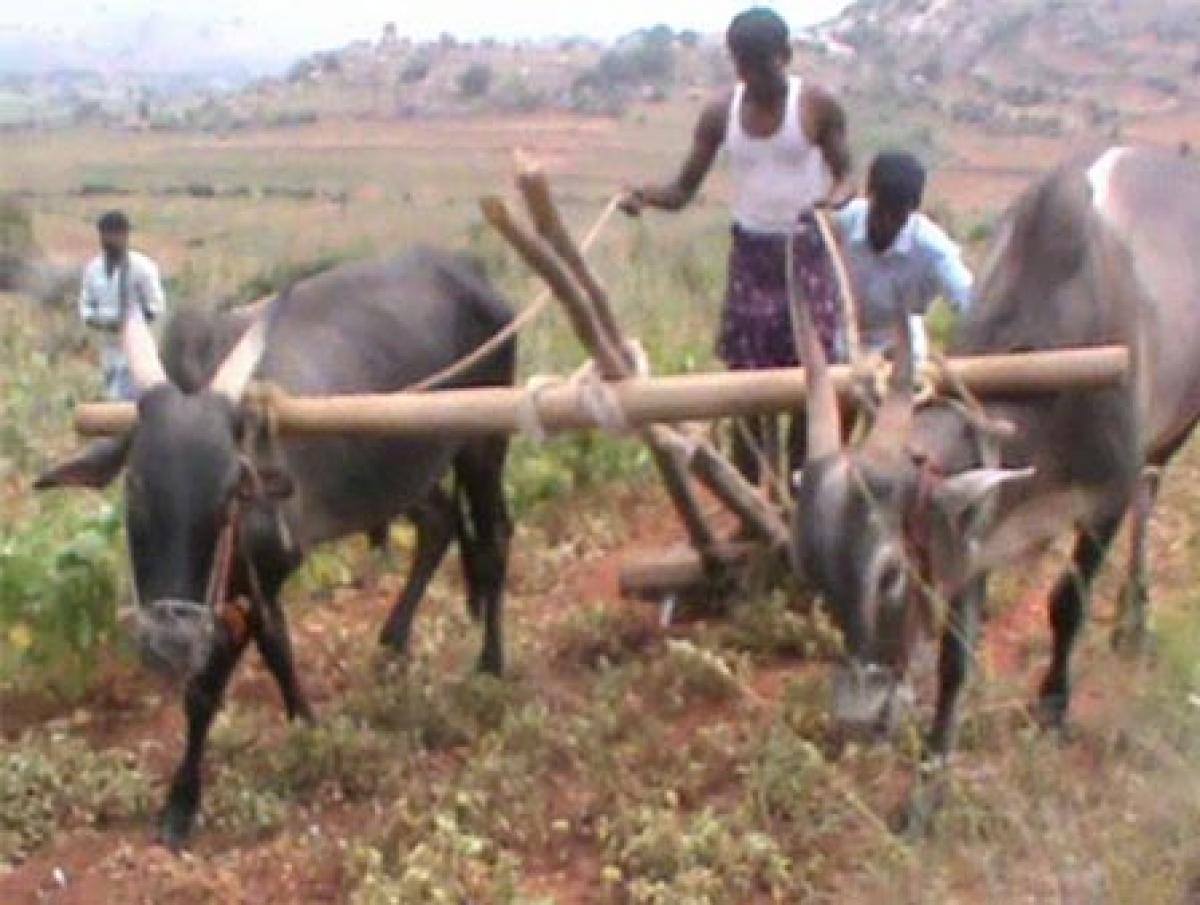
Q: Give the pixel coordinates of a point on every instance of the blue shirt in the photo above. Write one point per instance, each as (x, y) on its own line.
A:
(923, 264)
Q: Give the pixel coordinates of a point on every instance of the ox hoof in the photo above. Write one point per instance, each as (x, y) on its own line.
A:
(393, 639)
(303, 714)
(1133, 641)
(1050, 710)
(917, 818)
(390, 664)
(491, 665)
(174, 830)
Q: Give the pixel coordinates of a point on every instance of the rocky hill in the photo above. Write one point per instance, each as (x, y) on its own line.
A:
(1047, 67)
(393, 77)
(1014, 67)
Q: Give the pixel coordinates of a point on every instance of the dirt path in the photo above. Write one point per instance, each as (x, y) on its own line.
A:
(304, 861)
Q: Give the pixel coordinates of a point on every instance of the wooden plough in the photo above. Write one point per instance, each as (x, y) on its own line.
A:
(657, 409)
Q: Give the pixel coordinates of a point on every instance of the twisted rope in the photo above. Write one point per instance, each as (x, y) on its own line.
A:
(596, 396)
(527, 315)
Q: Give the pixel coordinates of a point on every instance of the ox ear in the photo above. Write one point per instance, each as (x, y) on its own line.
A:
(1030, 527)
(965, 491)
(95, 467)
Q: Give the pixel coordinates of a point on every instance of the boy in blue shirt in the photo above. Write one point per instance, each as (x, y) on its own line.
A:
(898, 256)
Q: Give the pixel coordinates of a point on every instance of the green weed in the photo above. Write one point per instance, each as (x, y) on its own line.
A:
(339, 757)
(433, 858)
(598, 636)
(437, 714)
(771, 627)
(51, 781)
(238, 803)
(540, 474)
(58, 595)
(688, 675)
(659, 855)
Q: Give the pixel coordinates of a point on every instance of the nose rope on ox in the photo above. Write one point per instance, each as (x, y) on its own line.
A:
(919, 547)
(230, 612)
(177, 636)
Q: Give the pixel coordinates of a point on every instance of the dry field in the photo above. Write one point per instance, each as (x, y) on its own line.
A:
(618, 763)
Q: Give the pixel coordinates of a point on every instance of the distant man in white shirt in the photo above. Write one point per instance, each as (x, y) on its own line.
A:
(897, 255)
(114, 280)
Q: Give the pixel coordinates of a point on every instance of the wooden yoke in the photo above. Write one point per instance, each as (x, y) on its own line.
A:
(591, 315)
(597, 329)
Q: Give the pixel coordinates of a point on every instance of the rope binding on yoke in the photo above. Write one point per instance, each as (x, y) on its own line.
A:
(596, 396)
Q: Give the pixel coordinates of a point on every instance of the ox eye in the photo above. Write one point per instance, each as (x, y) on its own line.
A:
(891, 581)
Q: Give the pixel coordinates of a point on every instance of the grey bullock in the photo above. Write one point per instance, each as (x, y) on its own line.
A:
(211, 516)
(1103, 250)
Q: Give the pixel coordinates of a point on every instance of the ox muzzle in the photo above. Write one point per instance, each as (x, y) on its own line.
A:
(870, 700)
(175, 637)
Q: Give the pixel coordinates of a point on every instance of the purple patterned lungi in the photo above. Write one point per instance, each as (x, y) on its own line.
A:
(756, 323)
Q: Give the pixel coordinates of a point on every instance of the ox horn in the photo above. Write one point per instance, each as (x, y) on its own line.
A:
(141, 352)
(233, 376)
(824, 418)
(894, 420)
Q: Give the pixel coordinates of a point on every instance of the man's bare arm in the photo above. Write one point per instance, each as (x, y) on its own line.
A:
(824, 122)
(706, 143)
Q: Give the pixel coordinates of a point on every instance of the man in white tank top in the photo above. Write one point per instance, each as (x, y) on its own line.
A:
(785, 141)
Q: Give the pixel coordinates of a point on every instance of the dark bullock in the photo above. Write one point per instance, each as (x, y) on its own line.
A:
(192, 473)
(1100, 251)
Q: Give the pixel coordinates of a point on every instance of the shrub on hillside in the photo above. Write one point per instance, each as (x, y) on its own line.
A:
(1024, 95)
(300, 71)
(515, 94)
(644, 59)
(475, 81)
(286, 118)
(1164, 85)
(415, 70)
(591, 96)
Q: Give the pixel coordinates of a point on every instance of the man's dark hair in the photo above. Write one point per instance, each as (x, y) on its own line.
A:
(897, 180)
(113, 222)
(758, 34)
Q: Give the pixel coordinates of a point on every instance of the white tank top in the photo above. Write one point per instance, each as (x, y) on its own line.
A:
(775, 179)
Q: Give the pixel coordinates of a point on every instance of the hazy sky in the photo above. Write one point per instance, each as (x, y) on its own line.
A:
(292, 25)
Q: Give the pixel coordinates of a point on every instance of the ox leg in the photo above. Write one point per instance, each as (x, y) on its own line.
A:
(954, 667)
(1130, 633)
(434, 520)
(1067, 611)
(274, 642)
(272, 563)
(202, 700)
(485, 543)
